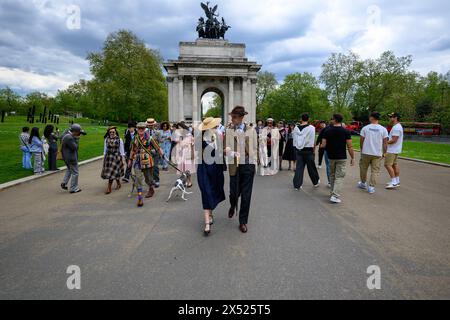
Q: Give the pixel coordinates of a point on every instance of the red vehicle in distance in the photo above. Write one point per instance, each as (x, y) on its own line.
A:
(354, 126)
(420, 128)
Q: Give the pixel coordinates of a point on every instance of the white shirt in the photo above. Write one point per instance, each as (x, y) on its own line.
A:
(374, 135)
(396, 148)
(305, 138)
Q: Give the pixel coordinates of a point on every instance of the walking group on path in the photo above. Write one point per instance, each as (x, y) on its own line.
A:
(210, 150)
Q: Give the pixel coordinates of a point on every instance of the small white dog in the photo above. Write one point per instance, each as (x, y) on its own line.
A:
(180, 185)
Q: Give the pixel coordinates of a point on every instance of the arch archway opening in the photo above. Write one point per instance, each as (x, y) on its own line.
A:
(212, 104)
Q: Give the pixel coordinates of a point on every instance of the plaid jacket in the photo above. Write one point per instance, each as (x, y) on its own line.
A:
(142, 158)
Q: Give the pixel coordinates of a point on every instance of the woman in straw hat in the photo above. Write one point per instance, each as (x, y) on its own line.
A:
(210, 170)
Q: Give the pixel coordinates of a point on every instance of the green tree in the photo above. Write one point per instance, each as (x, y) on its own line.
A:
(300, 93)
(377, 81)
(10, 101)
(340, 75)
(266, 84)
(129, 78)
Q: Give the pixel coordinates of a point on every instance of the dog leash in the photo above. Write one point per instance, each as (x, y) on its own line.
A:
(164, 157)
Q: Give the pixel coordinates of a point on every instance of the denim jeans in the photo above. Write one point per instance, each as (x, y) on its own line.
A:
(26, 160)
(327, 163)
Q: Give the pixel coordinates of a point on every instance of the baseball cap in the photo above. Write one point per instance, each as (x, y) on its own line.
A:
(77, 128)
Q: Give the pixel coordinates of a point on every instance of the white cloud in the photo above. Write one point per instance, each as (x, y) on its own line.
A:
(22, 80)
(285, 36)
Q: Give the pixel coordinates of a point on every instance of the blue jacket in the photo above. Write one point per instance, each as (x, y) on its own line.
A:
(37, 146)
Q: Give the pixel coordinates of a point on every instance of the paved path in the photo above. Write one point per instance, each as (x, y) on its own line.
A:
(299, 246)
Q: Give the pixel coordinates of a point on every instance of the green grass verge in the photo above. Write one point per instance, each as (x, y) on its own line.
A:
(91, 146)
(435, 152)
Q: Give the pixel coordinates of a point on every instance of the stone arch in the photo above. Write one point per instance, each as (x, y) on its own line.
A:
(219, 93)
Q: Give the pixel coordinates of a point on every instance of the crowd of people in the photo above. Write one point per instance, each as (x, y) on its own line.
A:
(211, 149)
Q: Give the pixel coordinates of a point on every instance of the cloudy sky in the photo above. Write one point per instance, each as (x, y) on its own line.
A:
(43, 44)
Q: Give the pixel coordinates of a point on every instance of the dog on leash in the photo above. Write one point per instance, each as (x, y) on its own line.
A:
(180, 186)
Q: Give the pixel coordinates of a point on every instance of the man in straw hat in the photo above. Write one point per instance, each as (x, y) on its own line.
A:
(142, 154)
(155, 134)
(242, 152)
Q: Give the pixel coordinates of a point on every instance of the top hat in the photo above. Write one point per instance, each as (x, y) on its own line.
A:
(239, 111)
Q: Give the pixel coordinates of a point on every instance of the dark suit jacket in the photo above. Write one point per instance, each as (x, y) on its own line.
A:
(69, 149)
(251, 149)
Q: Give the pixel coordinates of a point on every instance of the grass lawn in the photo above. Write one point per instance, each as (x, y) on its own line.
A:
(435, 152)
(11, 157)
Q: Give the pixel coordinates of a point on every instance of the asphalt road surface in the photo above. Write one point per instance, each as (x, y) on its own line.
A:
(299, 246)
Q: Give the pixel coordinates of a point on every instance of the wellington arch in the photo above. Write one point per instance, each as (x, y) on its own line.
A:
(210, 65)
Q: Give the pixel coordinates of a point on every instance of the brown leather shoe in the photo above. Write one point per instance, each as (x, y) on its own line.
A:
(231, 213)
(243, 228)
(109, 188)
(151, 193)
(119, 185)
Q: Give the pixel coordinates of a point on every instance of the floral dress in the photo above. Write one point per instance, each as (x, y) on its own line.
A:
(166, 146)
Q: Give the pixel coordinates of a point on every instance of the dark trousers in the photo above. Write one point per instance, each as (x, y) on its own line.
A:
(241, 186)
(321, 155)
(52, 152)
(128, 170)
(156, 168)
(305, 158)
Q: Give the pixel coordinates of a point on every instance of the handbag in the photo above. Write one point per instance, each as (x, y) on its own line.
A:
(59, 155)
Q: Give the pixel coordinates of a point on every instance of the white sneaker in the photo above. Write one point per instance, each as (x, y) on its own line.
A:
(319, 167)
(362, 185)
(391, 186)
(329, 185)
(317, 185)
(298, 189)
(335, 200)
(371, 190)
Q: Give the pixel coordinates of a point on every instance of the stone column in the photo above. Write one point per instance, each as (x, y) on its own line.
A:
(171, 105)
(245, 94)
(253, 98)
(230, 99)
(180, 99)
(195, 107)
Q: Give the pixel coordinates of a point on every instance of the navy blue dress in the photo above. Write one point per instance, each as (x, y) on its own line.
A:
(211, 182)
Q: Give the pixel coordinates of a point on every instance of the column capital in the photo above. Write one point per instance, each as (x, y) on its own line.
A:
(244, 79)
(194, 78)
(170, 79)
(180, 78)
(254, 80)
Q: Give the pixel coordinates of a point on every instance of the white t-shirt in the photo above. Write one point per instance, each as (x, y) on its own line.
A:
(397, 131)
(374, 135)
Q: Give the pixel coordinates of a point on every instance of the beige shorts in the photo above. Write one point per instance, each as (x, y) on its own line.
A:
(391, 159)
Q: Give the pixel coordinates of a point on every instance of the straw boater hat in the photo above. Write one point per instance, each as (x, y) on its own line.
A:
(151, 121)
(271, 120)
(209, 123)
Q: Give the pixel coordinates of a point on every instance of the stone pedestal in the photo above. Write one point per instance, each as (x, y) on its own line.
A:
(210, 65)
